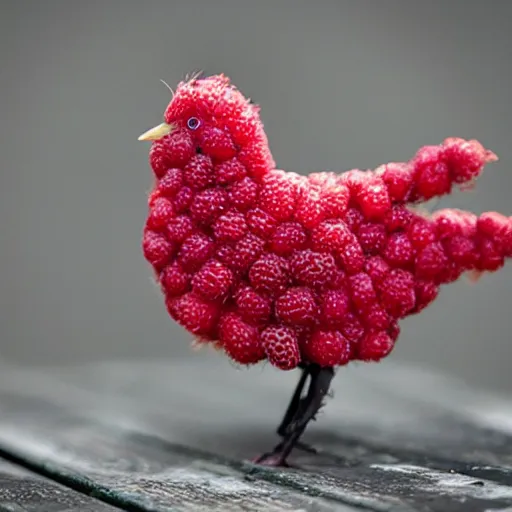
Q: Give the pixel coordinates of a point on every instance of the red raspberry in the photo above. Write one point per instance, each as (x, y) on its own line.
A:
(431, 262)
(261, 223)
(257, 159)
(335, 305)
(313, 269)
(229, 172)
(397, 177)
(421, 233)
(490, 257)
(253, 307)
(462, 251)
(183, 199)
(351, 258)
(398, 293)
(353, 219)
(174, 281)
(161, 212)
(157, 249)
(213, 280)
(243, 194)
(208, 206)
(376, 318)
(352, 328)
(497, 227)
(375, 346)
(174, 151)
(426, 292)
(398, 218)
(362, 293)
(297, 306)
(171, 182)
(281, 346)
(377, 268)
(432, 176)
(335, 197)
(267, 275)
(240, 341)
(230, 227)
(195, 314)
(329, 236)
(288, 237)
(217, 143)
(373, 199)
(247, 251)
(180, 228)
(372, 237)
(278, 196)
(195, 252)
(399, 251)
(328, 348)
(465, 158)
(310, 210)
(198, 173)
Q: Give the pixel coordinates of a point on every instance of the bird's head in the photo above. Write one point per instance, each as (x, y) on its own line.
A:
(211, 117)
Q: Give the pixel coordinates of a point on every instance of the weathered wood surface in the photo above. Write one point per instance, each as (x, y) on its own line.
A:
(178, 436)
(24, 491)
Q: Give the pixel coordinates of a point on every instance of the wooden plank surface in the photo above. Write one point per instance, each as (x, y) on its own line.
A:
(176, 435)
(24, 491)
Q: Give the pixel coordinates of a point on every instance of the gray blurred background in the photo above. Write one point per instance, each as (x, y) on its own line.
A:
(342, 84)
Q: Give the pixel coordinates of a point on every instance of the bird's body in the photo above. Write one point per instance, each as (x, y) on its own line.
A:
(303, 271)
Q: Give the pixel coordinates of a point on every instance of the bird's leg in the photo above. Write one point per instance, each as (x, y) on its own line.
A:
(308, 407)
(295, 404)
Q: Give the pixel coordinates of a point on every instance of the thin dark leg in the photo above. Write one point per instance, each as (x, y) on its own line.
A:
(308, 407)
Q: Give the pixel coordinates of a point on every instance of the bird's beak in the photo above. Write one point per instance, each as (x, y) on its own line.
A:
(157, 132)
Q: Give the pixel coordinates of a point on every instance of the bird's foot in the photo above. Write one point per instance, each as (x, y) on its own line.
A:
(300, 412)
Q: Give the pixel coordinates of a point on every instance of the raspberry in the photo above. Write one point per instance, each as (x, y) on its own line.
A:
(421, 233)
(372, 237)
(465, 159)
(243, 194)
(240, 341)
(198, 173)
(398, 218)
(208, 206)
(461, 251)
(310, 210)
(213, 280)
(353, 219)
(180, 228)
(361, 290)
(431, 173)
(431, 261)
(297, 306)
(377, 268)
(373, 199)
(397, 293)
(495, 226)
(376, 317)
(328, 348)
(253, 307)
(261, 223)
(230, 227)
(183, 199)
(229, 172)
(268, 276)
(288, 237)
(278, 196)
(330, 236)
(375, 346)
(157, 249)
(247, 251)
(352, 328)
(426, 292)
(490, 257)
(351, 258)
(161, 212)
(397, 177)
(335, 305)
(398, 251)
(171, 182)
(335, 197)
(195, 251)
(257, 159)
(174, 151)
(217, 143)
(281, 347)
(313, 269)
(174, 281)
(195, 314)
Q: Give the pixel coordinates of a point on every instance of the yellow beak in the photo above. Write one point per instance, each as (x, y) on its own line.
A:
(157, 132)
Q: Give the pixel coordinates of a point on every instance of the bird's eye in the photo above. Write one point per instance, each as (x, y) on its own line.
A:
(193, 123)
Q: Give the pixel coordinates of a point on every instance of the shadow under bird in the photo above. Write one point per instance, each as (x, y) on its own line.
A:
(308, 272)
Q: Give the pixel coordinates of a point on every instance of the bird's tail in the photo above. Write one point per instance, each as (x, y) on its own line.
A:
(435, 170)
(465, 243)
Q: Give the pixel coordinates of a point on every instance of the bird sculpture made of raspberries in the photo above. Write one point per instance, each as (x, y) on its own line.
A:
(303, 271)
